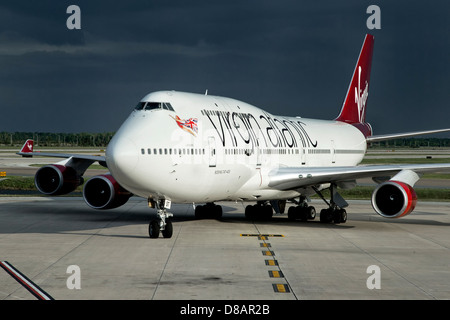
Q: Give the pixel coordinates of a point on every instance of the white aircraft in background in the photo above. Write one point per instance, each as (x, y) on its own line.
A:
(192, 148)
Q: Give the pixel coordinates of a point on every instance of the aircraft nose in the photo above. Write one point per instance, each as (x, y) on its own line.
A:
(121, 157)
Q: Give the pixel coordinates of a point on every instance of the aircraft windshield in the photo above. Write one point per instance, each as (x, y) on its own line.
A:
(154, 105)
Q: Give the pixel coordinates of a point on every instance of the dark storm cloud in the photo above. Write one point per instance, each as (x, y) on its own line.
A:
(288, 57)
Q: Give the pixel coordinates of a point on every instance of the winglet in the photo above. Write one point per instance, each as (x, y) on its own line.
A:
(27, 149)
(354, 107)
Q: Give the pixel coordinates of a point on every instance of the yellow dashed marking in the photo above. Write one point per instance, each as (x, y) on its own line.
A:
(271, 262)
(276, 274)
(277, 287)
(283, 288)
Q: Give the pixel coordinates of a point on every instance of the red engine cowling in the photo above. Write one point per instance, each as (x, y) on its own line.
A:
(104, 192)
(394, 199)
(55, 179)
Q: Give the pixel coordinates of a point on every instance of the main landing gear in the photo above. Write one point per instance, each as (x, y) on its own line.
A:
(163, 224)
(302, 212)
(260, 211)
(209, 210)
(335, 213)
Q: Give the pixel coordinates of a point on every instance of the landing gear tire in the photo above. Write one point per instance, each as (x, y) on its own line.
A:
(339, 216)
(259, 212)
(336, 216)
(311, 211)
(344, 216)
(326, 215)
(168, 230)
(292, 214)
(154, 229)
(210, 210)
(303, 213)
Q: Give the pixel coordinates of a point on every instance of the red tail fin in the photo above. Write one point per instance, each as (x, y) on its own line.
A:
(27, 148)
(354, 108)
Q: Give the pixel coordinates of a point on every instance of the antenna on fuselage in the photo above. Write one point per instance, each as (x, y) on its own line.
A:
(206, 92)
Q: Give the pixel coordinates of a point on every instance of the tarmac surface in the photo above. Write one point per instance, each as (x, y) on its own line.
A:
(369, 257)
(73, 252)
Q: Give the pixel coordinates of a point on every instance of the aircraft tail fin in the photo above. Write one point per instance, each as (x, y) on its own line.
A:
(27, 148)
(354, 107)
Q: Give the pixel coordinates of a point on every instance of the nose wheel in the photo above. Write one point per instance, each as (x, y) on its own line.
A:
(163, 224)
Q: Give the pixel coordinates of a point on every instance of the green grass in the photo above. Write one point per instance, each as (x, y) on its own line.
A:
(17, 183)
(436, 176)
(21, 184)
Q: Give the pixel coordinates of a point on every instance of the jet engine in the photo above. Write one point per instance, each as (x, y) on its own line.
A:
(394, 199)
(104, 192)
(57, 179)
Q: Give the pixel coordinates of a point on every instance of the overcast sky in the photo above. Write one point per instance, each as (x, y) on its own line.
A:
(287, 57)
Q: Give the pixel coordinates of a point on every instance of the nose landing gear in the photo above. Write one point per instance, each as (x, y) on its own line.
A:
(163, 224)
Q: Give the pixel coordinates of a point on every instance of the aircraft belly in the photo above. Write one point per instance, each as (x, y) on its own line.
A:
(193, 183)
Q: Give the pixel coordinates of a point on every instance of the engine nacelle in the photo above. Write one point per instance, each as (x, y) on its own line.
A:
(394, 199)
(55, 179)
(104, 192)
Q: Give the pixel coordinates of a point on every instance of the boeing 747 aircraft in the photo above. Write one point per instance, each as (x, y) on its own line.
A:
(194, 148)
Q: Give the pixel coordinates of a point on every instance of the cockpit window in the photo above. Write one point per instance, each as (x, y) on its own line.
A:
(154, 105)
(140, 106)
(167, 106)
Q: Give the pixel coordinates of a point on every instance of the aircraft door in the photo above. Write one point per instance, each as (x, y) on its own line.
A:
(333, 152)
(258, 156)
(212, 151)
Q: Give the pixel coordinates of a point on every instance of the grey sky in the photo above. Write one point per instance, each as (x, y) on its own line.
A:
(288, 57)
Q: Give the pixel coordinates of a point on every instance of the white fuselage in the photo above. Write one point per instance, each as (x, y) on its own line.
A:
(199, 148)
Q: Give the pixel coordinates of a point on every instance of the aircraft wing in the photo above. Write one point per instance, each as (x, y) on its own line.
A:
(377, 138)
(63, 155)
(27, 151)
(288, 178)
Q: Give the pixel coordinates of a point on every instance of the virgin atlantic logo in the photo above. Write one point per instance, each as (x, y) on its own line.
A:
(361, 98)
(190, 125)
